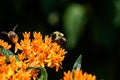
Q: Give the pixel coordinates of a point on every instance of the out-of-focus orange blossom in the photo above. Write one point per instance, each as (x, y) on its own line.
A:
(78, 75)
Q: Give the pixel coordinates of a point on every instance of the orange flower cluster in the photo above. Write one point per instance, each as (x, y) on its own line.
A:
(36, 52)
(15, 70)
(5, 44)
(39, 52)
(78, 75)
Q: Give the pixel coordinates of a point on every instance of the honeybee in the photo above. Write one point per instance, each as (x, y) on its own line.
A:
(59, 38)
(12, 35)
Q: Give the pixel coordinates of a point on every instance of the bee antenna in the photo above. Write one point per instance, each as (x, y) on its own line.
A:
(4, 32)
(15, 27)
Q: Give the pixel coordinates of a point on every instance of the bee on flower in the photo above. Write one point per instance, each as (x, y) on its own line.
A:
(59, 38)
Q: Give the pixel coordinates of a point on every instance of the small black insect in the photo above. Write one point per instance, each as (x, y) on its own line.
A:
(59, 38)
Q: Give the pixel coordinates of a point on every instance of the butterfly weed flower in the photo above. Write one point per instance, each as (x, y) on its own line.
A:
(4, 44)
(15, 70)
(41, 51)
(36, 52)
(78, 75)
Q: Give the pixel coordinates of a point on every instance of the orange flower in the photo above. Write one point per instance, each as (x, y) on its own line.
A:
(15, 70)
(78, 75)
(5, 44)
(7, 70)
(25, 44)
(36, 52)
(2, 60)
(37, 41)
(41, 52)
(26, 35)
(22, 75)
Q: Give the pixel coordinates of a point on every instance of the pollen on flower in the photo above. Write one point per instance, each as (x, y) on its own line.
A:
(5, 44)
(78, 75)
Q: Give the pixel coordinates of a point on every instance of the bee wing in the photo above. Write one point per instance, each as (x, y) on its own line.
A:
(15, 27)
(4, 32)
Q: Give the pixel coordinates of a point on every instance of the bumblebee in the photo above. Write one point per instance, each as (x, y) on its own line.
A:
(59, 38)
(12, 35)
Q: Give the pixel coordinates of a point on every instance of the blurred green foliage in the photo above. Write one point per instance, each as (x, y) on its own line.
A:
(92, 29)
(73, 23)
(117, 13)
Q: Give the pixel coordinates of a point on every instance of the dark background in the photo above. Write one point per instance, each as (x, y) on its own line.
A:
(95, 35)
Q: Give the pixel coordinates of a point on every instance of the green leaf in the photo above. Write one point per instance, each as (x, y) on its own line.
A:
(42, 71)
(77, 64)
(6, 52)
